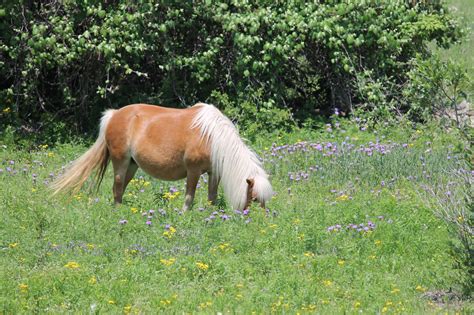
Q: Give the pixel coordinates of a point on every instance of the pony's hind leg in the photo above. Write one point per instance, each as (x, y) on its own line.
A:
(124, 170)
(191, 183)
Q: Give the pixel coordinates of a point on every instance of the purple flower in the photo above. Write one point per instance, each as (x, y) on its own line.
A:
(246, 212)
(151, 212)
(148, 222)
(123, 221)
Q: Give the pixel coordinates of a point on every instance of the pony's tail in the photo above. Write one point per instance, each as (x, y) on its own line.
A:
(97, 157)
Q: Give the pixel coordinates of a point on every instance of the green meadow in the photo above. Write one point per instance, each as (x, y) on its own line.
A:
(360, 222)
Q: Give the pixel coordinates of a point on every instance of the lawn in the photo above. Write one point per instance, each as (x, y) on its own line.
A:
(352, 227)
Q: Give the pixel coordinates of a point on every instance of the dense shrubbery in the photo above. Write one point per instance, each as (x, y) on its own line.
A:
(263, 62)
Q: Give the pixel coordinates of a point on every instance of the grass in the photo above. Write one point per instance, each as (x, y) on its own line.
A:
(349, 230)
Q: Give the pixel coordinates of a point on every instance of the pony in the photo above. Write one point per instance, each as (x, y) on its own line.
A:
(172, 144)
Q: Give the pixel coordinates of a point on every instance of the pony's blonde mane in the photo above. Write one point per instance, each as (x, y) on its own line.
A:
(232, 161)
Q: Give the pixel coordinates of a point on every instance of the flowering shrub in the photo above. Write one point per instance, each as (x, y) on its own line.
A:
(64, 61)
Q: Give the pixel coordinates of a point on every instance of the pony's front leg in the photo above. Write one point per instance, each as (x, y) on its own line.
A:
(191, 183)
(212, 188)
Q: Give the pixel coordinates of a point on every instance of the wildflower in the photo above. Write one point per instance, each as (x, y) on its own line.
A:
(327, 283)
(148, 223)
(168, 262)
(395, 291)
(341, 262)
(7, 110)
(357, 304)
(72, 265)
(123, 221)
(111, 302)
(419, 288)
(92, 280)
(127, 309)
(309, 254)
(134, 210)
(378, 242)
(342, 197)
(23, 287)
(170, 231)
(202, 266)
(13, 245)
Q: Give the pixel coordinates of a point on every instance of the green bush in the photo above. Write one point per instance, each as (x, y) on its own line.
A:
(69, 60)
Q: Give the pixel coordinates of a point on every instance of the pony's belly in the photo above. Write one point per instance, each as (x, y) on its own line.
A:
(165, 172)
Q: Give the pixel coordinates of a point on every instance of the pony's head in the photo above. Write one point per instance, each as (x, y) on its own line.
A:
(259, 190)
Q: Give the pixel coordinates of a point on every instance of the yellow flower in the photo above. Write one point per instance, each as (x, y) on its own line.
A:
(169, 232)
(327, 283)
(296, 221)
(300, 236)
(23, 287)
(273, 226)
(112, 302)
(7, 110)
(13, 245)
(134, 210)
(357, 304)
(372, 256)
(419, 288)
(50, 154)
(127, 309)
(341, 262)
(342, 197)
(395, 290)
(168, 262)
(378, 242)
(309, 254)
(165, 302)
(202, 266)
(72, 265)
(92, 280)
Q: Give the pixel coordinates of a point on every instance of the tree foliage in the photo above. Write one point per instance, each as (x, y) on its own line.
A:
(261, 61)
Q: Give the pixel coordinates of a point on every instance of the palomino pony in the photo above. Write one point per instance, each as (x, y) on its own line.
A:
(172, 144)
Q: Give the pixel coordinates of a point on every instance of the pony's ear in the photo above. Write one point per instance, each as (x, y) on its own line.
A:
(250, 182)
